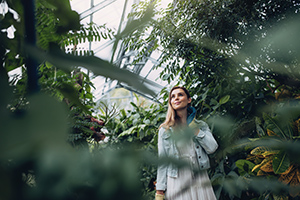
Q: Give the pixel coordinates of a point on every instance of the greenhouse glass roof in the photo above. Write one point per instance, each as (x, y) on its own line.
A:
(114, 14)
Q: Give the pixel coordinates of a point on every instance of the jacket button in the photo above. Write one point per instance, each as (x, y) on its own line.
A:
(197, 147)
(199, 156)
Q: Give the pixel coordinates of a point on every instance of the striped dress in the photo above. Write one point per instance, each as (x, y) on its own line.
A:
(188, 186)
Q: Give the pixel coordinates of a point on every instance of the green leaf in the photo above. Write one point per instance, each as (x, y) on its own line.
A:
(244, 166)
(224, 99)
(132, 130)
(259, 129)
(42, 126)
(281, 162)
(123, 112)
(165, 77)
(272, 124)
(68, 19)
(216, 107)
(134, 105)
(71, 93)
(213, 102)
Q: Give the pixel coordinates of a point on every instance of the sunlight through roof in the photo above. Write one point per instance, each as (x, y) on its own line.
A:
(109, 12)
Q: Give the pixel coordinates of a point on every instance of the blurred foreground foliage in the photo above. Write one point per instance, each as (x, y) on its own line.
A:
(240, 62)
(138, 129)
(243, 78)
(38, 163)
(45, 133)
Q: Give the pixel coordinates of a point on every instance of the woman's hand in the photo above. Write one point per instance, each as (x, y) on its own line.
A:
(159, 195)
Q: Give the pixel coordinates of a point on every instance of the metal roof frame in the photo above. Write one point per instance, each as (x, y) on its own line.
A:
(121, 56)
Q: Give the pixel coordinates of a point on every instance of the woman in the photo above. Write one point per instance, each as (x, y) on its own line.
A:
(190, 182)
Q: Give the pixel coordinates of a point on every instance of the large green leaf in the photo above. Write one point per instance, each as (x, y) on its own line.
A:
(218, 181)
(224, 99)
(272, 124)
(281, 162)
(96, 65)
(68, 19)
(44, 125)
(244, 166)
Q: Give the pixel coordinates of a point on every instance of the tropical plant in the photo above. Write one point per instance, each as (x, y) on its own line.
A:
(37, 109)
(221, 49)
(138, 128)
(274, 160)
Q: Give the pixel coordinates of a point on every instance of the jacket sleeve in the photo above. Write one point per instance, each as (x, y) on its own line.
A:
(161, 180)
(205, 138)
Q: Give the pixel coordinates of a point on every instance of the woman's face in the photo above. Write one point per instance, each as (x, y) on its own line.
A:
(179, 99)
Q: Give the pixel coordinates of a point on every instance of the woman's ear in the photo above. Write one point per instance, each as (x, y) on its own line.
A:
(190, 100)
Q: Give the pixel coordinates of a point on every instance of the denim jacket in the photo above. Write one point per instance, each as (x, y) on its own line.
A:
(204, 144)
